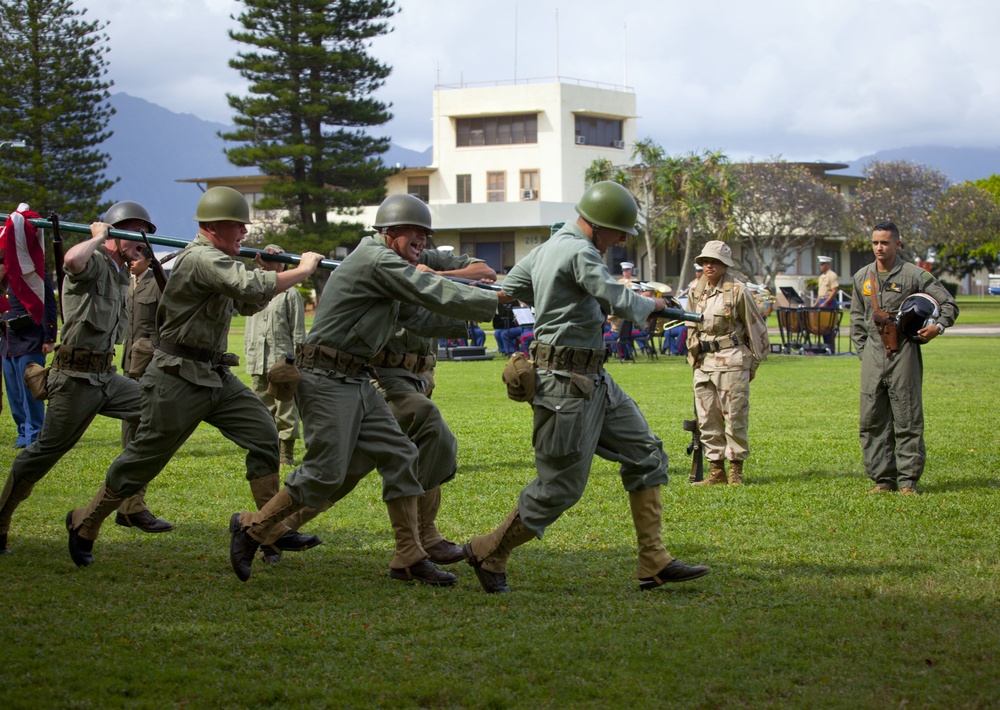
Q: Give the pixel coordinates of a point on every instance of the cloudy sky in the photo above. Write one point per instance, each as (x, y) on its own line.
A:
(807, 79)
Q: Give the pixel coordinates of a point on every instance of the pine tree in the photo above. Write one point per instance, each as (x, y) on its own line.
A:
(55, 98)
(306, 121)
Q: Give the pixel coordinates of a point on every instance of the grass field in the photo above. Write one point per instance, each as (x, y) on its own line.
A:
(820, 595)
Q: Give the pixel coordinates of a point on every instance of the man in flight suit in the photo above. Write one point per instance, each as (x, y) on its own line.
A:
(892, 410)
(579, 410)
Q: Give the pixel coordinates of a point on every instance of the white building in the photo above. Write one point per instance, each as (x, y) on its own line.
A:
(509, 161)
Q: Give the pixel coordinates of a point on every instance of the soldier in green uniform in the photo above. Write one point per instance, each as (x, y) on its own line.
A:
(188, 380)
(578, 409)
(348, 426)
(271, 335)
(404, 374)
(892, 411)
(83, 382)
(141, 299)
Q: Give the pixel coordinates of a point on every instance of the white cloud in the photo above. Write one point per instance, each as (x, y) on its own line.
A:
(805, 79)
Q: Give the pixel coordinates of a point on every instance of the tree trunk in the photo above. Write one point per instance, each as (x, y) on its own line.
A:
(689, 238)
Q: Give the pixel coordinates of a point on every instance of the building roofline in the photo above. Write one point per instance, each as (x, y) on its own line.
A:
(536, 80)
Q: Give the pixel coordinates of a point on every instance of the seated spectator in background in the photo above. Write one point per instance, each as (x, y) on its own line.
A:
(477, 336)
(525, 340)
(505, 329)
(675, 340)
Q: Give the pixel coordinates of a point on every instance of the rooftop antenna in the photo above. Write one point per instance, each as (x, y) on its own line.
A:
(625, 53)
(557, 44)
(515, 43)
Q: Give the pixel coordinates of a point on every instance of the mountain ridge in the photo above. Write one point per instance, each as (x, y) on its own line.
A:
(152, 147)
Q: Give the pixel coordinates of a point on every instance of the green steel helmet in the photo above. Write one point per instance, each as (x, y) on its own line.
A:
(397, 210)
(222, 204)
(608, 204)
(126, 210)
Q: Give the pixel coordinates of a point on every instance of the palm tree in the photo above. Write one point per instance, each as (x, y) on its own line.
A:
(698, 198)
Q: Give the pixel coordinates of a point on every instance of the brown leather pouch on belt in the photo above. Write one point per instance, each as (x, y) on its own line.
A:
(885, 323)
(36, 379)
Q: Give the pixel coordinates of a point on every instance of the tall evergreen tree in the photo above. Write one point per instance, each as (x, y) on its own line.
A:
(55, 98)
(306, 121)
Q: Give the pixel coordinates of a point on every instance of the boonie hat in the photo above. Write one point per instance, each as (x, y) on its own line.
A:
(717, 250)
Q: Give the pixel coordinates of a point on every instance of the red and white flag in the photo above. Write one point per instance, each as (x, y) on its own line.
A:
(24, 257)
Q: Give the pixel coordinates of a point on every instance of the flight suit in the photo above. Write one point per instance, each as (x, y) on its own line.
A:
(891, 422)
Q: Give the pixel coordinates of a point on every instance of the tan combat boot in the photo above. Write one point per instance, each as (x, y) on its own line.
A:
(410, 563)
(13, 495)
(736, 473)
(717, 476)
(647, 516)
(84, 525)
(250, 530)
(439, 550)
(488, 554)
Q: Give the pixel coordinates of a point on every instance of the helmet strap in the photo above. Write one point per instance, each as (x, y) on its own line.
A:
(121, 252)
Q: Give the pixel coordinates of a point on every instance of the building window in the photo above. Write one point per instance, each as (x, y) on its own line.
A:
(496, 187)
(603, 132)
(419, 187)
(496, 130)
(463, 188)
(529, 185)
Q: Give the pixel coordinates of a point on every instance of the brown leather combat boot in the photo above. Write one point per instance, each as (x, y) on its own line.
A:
(718, 474)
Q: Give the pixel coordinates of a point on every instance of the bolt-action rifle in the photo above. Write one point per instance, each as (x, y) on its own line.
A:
(158, 273)
(694, 450)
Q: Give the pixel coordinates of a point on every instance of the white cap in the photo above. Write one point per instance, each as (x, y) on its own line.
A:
(446, 247)
(627, 265)
(824, 259)
(699, 267)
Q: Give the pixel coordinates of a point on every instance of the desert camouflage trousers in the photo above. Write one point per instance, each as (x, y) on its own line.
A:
(722, 402)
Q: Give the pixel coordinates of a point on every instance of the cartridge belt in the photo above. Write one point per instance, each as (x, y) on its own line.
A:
(563, 357)
(413, 362)
(320, 357)
(80, 359)
(189, 352)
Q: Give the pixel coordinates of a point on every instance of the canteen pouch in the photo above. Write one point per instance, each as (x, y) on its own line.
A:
(519, 376)
(141, 355)
(36, 379)
(282, 380)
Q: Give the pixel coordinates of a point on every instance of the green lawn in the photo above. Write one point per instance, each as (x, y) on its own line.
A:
(820, 595)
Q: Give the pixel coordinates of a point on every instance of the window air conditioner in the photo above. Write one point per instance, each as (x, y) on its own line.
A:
(581, 140)
(528, 194)
(619, 144)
